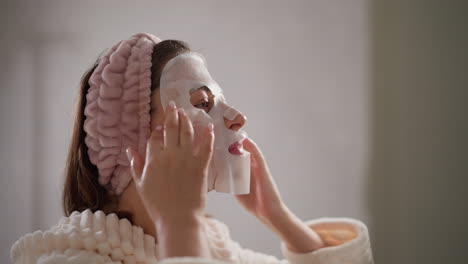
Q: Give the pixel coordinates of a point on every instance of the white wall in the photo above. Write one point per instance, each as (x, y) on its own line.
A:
(297, 69)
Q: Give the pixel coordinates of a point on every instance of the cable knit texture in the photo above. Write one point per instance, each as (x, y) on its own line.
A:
(98, 238)
(118, 108)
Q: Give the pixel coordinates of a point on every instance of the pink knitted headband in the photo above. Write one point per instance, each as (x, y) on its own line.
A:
(118, 108)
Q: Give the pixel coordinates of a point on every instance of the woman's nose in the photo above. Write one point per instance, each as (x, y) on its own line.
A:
(237, 123)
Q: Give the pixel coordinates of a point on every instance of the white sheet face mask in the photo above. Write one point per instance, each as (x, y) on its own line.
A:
(183, 75)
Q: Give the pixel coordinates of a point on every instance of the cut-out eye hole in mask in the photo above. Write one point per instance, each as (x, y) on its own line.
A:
(183, 75)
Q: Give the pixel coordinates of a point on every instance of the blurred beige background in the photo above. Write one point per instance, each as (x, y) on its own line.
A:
(358, 106)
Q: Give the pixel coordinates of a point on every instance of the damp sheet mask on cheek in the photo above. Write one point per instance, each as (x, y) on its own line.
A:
(183, 75)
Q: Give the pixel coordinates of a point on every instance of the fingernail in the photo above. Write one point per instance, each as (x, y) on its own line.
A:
(172, 104)
(181, 111)
(159, 127)
(129, 154)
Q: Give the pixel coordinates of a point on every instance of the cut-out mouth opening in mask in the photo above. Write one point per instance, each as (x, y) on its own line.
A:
(230, 165)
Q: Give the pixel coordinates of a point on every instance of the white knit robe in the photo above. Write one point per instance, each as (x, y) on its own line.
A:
(88, 237)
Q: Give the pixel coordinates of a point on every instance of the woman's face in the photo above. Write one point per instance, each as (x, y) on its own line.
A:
(186, 81)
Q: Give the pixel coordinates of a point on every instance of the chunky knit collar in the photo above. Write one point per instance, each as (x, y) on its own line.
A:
(109, 237)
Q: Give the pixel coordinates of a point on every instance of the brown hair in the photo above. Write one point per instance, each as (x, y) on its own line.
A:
(81, 187)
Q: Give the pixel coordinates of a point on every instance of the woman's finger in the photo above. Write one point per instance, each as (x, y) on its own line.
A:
(206, 147)
(172, 125)
(136, 164)
(156, 142)
(186, 129)
(256, 156)
(251, 147)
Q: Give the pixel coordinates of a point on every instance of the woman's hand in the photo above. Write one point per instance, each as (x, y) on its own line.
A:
(172, 184)
(264, 202)
(171, 181)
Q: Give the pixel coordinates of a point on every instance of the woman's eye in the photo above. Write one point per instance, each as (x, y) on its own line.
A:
(203, 105)
(202, 98)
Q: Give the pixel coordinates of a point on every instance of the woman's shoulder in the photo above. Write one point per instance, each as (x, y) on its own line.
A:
(86, 234)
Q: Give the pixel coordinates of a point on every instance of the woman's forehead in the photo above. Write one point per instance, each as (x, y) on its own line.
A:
(186, 72)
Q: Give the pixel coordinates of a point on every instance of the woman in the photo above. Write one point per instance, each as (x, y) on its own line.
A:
(136, 177)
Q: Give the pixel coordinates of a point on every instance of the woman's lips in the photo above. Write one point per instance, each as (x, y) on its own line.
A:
(236, 148)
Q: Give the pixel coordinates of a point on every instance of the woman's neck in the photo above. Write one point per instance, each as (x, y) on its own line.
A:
(133, 209)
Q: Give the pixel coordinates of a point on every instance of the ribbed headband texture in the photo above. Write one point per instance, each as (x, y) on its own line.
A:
(118, 108)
